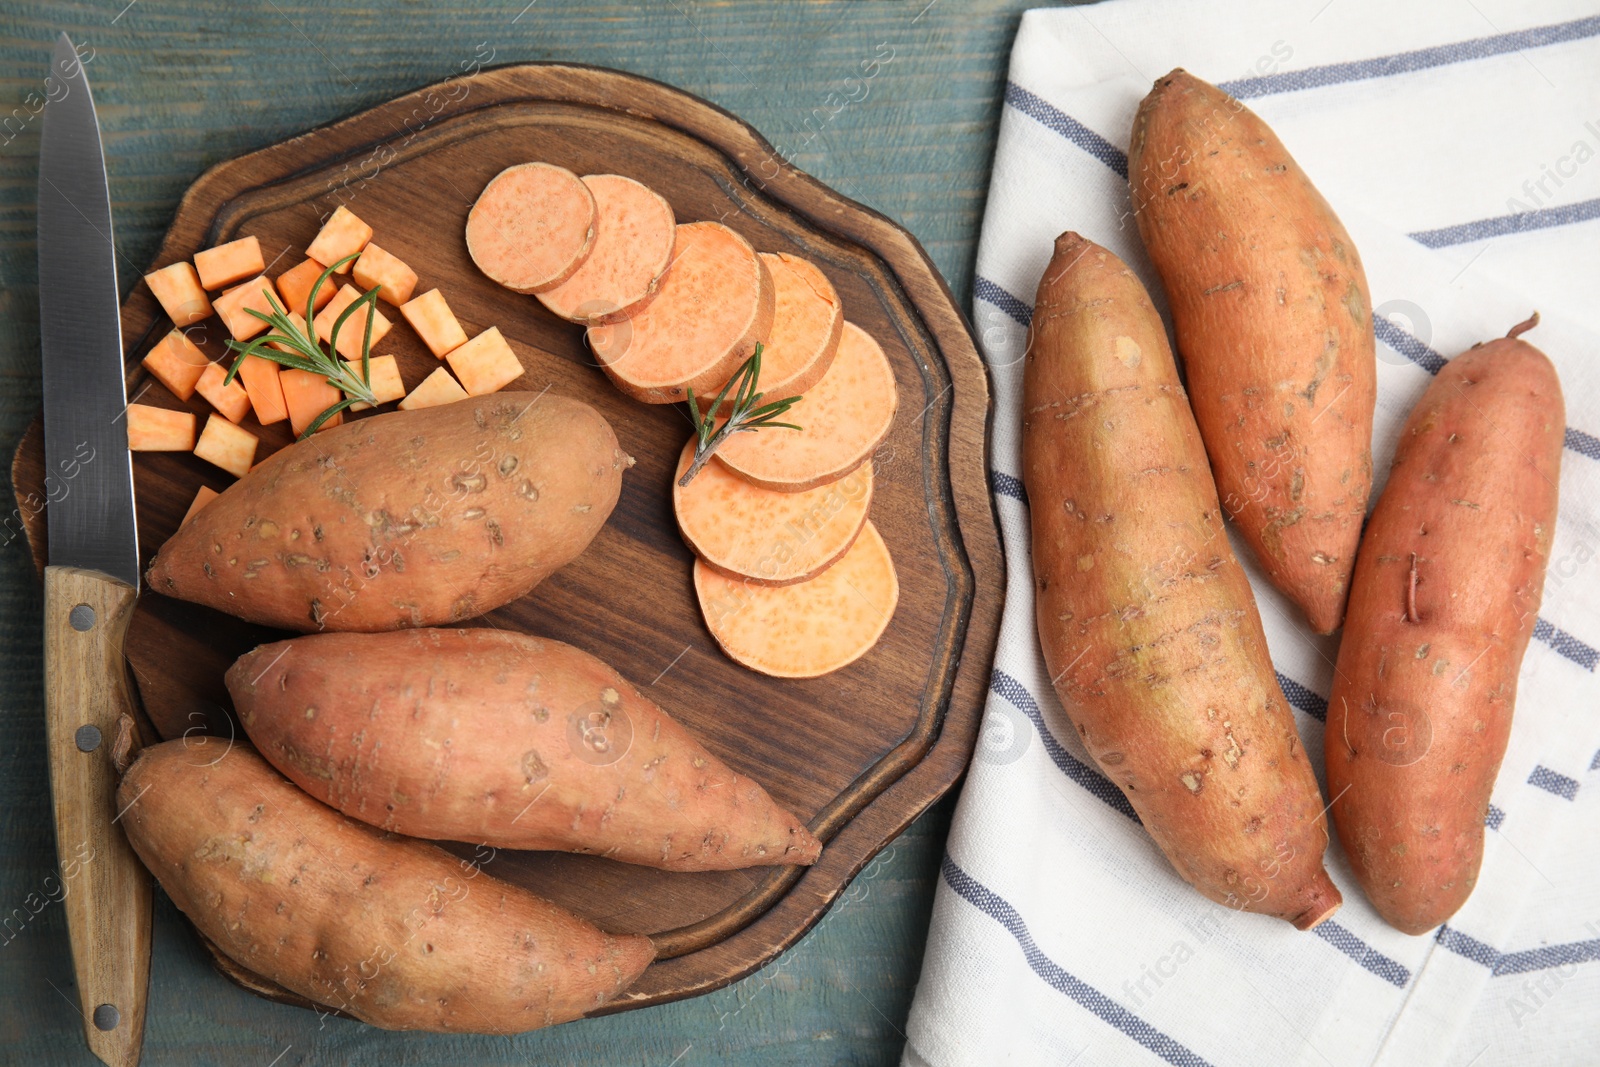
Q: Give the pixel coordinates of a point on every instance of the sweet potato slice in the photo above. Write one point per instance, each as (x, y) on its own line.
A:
(809, 628)
(532, 227)
(633, 235)
(308, 395)
(843, 419)
(230, 399)
(225, 264)
(177, 288)
(435, 390)
(508, 740)
(807, 322)
(227, 446)
(344, 234)
(176, 363)
(153, 429)
(260, 378)
(712, 306)
(294, 285)
(394, 932)
(745, 531)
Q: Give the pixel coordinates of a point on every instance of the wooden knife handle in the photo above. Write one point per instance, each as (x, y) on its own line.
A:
(108, 891)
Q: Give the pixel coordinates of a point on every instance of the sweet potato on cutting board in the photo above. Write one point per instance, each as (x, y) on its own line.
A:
(1445, 596)
(1146, 619)
(532, 227)
(1274, 325)
(395, 932)
(634, 229)
(409, 518)
(503, 739)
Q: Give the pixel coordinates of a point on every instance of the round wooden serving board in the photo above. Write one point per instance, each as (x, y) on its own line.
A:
(858, 753)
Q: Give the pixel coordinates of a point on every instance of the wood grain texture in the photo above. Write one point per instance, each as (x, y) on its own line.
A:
(180, 89)
(107, 904)
(627, 599)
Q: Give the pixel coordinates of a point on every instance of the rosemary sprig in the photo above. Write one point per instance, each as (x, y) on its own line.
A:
(306, 352)
(747, 413)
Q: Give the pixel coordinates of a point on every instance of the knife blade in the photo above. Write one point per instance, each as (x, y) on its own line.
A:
(92, 579)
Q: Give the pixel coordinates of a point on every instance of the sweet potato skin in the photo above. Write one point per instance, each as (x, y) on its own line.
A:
(410, 518)
(395, 932)
(514, 741)
(1446, 592)
(1273, 317)
(1145, 616)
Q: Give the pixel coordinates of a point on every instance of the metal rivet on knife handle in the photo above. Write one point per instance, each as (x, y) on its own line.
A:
(88, 739)
(81, 618)
(106, 1017)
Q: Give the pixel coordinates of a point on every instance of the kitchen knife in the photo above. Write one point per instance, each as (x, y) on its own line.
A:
(93, 577)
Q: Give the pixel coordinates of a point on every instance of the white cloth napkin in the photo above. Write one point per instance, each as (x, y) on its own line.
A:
(1460, 144)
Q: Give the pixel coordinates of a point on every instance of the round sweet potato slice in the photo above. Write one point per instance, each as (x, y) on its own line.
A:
(712, 306)
(843, 419)
(807, 321)
(532, 227)
(633, 234)
(810, 628)
(744, 531)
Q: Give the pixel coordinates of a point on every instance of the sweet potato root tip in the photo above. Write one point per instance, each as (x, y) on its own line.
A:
(807, 322)
(711, 307)
(299, 894)
(810, 628)
(843, 419)
(599, 768)
(532, 227)
(1146, 620)
(744, 531)
(1422, 702)
(1275, 328)
(634, 230)
(403, 519)
(1523, 327)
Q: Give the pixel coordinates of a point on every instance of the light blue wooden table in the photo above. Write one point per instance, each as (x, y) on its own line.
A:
(181, 86)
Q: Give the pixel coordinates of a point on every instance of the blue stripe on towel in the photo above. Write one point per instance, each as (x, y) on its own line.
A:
(1053, 118)
(1564, 643)
(990, 293)
(1404, 343)
(1517, 222)
(1290, 81)
(1006, 485)
(1389, 970)
(1554, 782)
(993, 905)
(1303, 698)
(1506, 963)
(1494, 818)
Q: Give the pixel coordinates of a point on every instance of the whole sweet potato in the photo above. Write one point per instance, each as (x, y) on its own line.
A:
(1274, 324)
(1146, 619)
(513, 741)
(1446, 592)
(404, 519)
(395, 932)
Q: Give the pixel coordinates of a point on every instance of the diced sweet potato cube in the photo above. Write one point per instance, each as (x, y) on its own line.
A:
(234, 306)
(385, 271)
(294, 285)
(307, 396)
(152, 429)
(205, 496)
(227, 446)
(342, 235)
(436, 389)
(299, 324)
(176, 363)
(485, 363)
(177, 288)
(354, 328)
(260, 378)
(434, 322)
(235, 261)
(384, 377)
(230, 399)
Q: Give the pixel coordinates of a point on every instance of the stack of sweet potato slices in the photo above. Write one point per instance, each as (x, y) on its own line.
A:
(792, 577)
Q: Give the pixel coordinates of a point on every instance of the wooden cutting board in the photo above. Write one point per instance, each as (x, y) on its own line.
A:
(858, 753)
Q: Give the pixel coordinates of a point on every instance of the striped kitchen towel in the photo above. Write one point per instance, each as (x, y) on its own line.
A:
(1460, 143)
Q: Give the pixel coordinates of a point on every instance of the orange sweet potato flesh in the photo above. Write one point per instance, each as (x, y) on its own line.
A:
(842, 420)
(410, 518)
(395, 932)
(503, 739)
(532, 227)
(1274, 324)
(1446, 592)
(804, 629)
(633, 235)
(712, 306)
(1146, 618)
(807, 322)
